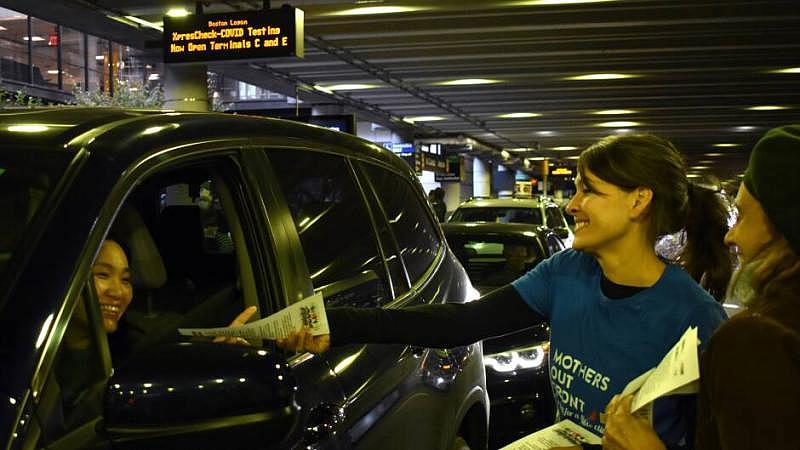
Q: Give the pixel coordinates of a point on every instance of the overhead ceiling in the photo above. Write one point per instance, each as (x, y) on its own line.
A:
(698, 65)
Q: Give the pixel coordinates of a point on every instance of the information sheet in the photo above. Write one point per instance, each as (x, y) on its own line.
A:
(308, 313)
(562, 434)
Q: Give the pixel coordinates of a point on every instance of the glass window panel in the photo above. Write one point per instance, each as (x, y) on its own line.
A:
(44, 43)
(99, 60)
(14, 45)
(72, 59)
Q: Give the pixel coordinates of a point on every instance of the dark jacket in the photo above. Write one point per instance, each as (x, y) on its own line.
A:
(750, 381)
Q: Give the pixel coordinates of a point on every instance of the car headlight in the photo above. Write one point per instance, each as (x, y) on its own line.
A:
(531, 357)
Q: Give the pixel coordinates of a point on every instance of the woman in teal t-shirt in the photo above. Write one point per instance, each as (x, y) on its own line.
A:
(615, 307)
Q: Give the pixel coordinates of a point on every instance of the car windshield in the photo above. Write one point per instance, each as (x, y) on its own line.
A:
(494, 261)
(498, 215)
(26, 179)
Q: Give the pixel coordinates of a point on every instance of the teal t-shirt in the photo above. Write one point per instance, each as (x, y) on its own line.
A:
(598, 344)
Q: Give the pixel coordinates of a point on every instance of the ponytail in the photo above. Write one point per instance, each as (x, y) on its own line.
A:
(705, 256)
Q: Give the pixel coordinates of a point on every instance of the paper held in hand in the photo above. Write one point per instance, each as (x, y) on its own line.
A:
(308, 313)
(677, 373)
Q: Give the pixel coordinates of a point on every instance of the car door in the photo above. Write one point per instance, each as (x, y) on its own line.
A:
(353, 259)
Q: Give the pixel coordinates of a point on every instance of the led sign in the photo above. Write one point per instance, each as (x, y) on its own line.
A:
(234, 36)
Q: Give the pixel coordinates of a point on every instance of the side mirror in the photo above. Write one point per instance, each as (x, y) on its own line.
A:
(200, 395)
(561, 232)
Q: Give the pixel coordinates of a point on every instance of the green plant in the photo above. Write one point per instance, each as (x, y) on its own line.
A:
(127, 94)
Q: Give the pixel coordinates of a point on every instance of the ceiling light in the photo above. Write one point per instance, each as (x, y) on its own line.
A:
(618, 124)
(518, 115)
(623, 130)
(766, 108)
(323, 89)
(713, 154)
(350, 87)
(537, 158)
(520, 149)
(725, 145)
(505, 154)
(34, 38)
(744, 129)
(2, 28)
(367, 10)
(564, 148)
(423, 119)
(99, 57)
(693, 175)
(153, 76)
(147, 24)
(177, 12)
(700, 167)
(602, 76)
(615, 111)
(787, 70)
(573, 157)
(546, 133)
(467, 82)
(53, 71)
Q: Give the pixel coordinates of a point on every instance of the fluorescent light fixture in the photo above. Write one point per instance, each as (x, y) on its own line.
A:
(623, 130)
(602, 76)
(505, 154)
(787, 70)
(614, 111)
(422, 119)
(573, 157)
(767, 108)
(53, 71)
(99, 57)
(34, 38)
(564, 148)
(546, 133)
(32, 128)
(700, 167)
(368, 10)
(177, 12)
(537, 158)
(714, 155)
(744, 129)
(693, 175)
(467, 82)
(350, 87)
(146, 23)
(618, 124)
(153, 76)
(519, 149)
(725, 145)
(323, 89)
(2, 28)
(518, 115)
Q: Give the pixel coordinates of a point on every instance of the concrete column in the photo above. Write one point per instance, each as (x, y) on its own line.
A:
(481, 178)
(186, 87)
(452, 195)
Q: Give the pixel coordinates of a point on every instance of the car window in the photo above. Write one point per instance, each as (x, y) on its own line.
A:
(334, 227)
(494, 261)
(409, 219)
(498, 215)
(24, 183)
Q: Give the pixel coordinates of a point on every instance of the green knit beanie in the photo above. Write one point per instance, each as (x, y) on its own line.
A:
(773, 177)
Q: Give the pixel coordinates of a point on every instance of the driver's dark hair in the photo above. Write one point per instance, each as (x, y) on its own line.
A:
(644, 160)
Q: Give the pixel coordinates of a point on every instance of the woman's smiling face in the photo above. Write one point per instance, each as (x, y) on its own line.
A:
(112, 281)
(601, 211)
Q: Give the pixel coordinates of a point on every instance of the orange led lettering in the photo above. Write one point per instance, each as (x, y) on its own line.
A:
(175, 48)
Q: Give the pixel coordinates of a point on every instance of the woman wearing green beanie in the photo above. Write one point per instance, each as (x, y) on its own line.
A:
(750, 371)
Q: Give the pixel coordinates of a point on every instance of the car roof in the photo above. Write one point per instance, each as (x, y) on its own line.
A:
(503, 203)
(124, 135)
(475, 229)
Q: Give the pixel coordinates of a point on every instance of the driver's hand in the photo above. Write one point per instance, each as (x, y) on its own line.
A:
(240, 320)
(303, 341)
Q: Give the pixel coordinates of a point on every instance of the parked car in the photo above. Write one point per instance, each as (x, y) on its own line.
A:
(535, 211)
(218, 212)
(517, 376)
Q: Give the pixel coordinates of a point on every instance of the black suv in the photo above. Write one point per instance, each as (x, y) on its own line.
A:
(217, 212)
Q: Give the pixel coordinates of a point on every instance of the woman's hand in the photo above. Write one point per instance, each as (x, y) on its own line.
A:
(625, 431)
(303, 341)
(240, 320)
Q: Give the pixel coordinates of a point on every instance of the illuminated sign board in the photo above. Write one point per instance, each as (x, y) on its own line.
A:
(234, 36)
(561, 171)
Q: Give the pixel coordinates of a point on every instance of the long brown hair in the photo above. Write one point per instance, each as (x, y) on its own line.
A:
(644, 160)
(776, 271)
